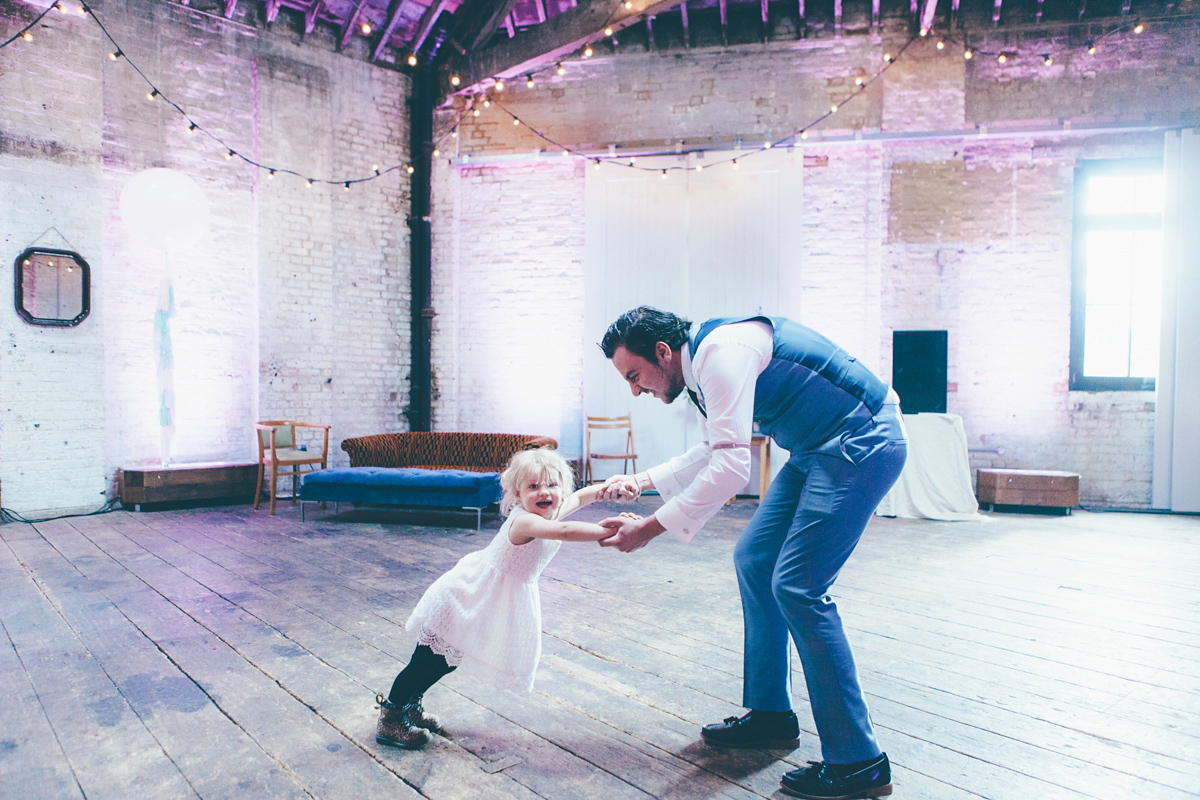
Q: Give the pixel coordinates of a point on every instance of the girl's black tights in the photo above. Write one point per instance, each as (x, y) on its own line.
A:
(424, 669)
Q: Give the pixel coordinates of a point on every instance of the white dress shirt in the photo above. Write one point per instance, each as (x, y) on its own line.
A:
(722, 372)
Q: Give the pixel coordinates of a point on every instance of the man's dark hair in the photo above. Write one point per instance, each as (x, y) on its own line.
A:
(643, 327)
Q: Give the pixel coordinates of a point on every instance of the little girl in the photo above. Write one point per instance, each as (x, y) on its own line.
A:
(485, 614)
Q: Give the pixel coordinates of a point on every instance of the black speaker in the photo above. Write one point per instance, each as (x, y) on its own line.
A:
(919, 370)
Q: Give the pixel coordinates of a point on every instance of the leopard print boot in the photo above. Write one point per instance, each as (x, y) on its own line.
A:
(418, 716)
(395, 728)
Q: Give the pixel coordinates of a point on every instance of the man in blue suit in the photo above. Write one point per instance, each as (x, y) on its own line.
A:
(843, 428)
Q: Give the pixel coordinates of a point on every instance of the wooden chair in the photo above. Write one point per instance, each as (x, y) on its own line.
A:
(279, 455)
(625, 423)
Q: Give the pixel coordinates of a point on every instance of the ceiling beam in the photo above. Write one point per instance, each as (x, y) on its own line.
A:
(724, 6)
(310, 16)
(687, 31)
(996, 12)
(562, 35)
(348, 31)
(230, 7)
(803, 27)
(502, 10)
(425, 26)
(272, 10)
(875, 14)
(927, 15)
(837, 17)
(392, 21)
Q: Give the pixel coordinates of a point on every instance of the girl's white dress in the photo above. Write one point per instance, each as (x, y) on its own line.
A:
(485, 614)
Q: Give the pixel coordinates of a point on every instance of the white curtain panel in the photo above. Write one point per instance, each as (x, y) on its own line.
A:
(1177, 421)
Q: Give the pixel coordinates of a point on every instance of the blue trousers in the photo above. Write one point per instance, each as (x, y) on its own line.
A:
(805, 528)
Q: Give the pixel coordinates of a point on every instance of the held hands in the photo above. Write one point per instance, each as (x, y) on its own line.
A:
(630, 532)
(618, 487)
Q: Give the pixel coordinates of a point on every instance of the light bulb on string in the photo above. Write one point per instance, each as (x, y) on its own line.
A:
(366, 29)
(941, 45)
(664, 174)
(1139, 28)
(308, 182)
(887, 58)
(734, 164)
(436, 152)
(1047, 60)
(597, 164)
(499, 85)
(967, 54)
(560, 69)
(833, 108)
(455, 80)
(454, 133)
(347, 185)
(608, 31)
(475, 112)
(228, 154)
(528, 81)
(487, 102)
(628, 5)
(858, 81)
(270, 174)
(1091, 47)
(412, 60)
(767, 144)
(516, 122)
(587, 51)
(632, 160)
(113, 56)
(410, 169)
(375, 168)
(27, 36)
(803, 134)
(924, 31)
(699, 167)
(152, 94)
(191, 126)
(1002, 58)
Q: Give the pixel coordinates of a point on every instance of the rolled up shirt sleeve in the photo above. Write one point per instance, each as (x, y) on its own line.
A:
(697, 483)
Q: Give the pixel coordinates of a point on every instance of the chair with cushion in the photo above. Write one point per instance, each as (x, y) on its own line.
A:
(279, 454)
(626, 452)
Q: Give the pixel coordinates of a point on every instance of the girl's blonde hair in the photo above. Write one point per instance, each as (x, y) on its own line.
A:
(542, 462)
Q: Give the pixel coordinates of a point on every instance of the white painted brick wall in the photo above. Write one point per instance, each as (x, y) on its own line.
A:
(295, 304)
(965, 234)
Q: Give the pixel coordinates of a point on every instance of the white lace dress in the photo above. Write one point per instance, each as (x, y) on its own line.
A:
(485, 614)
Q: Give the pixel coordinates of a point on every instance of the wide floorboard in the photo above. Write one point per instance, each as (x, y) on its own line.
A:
(222, 652)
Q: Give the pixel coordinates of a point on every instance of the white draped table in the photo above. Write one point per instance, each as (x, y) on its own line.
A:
(936, 480)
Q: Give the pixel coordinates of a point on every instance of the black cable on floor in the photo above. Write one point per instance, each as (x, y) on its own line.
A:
(8, 515)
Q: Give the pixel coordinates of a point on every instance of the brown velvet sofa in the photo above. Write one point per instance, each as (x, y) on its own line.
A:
(421, 469)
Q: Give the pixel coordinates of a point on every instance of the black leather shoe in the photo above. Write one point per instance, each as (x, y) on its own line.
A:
(755, 729)
(821, 781)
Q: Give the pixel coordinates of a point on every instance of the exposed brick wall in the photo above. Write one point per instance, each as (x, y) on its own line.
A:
(965, 233)
(294, 305)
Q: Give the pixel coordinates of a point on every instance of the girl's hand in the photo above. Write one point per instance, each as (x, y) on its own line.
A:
(618, 487)
(629, 515)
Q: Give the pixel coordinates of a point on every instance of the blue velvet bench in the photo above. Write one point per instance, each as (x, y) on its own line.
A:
(403, 486)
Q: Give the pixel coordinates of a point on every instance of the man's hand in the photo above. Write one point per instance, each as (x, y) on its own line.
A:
(630, 534)
(618, 487)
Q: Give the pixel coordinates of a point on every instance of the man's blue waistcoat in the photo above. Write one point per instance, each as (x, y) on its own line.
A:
(812, 393)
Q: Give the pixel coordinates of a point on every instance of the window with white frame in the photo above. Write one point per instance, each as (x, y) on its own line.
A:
(1117, 274)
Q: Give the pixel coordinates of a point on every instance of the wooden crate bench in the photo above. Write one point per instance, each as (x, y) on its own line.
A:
(181, 483)
(1028, 487)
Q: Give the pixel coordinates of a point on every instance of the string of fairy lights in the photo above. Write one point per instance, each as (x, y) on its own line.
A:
(477, 103)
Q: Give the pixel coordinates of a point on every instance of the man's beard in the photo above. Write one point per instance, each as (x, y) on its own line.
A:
(675, 389)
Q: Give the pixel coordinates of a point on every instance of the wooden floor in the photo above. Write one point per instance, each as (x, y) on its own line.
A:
(224, 653)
